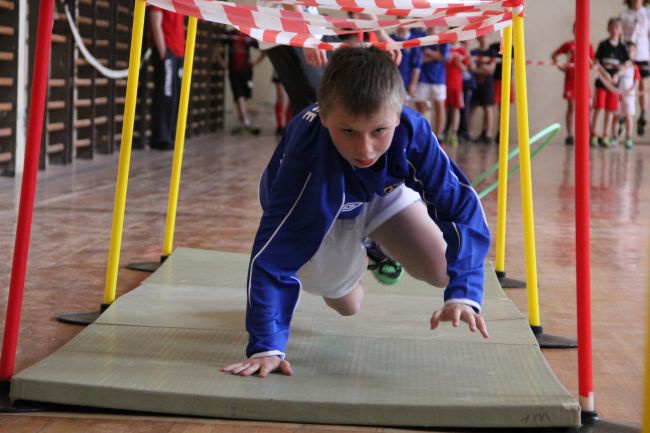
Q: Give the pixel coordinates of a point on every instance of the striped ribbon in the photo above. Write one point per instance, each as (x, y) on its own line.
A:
(469, 19)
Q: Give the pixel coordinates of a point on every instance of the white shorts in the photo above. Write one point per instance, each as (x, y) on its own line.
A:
(340, 261)
(628, 105)
(427, 92)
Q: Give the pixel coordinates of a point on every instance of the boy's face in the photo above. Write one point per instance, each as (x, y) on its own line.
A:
(615, 30)
(361, 140)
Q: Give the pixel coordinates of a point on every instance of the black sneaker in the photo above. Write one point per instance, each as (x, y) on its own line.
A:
(568, 141)
(481, 138)
(253, 129)
(621, 127)
(385, 270)
(640, 125)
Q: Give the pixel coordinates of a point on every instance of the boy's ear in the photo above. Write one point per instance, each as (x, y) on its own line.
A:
(323, 119)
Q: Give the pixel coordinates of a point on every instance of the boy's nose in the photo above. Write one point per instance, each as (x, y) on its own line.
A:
(365, 148)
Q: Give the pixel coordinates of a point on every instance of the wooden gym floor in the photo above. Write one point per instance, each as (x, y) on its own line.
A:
(219, 210)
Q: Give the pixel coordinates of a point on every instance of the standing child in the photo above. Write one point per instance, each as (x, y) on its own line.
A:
(359, 165)
(636, 28)
(411, 63)
(433, 84)
(568, 49)
(459, 62)
(483, 96)
(627, 84)
(495, 49)
(611, 57)
(168, 40)
(469, 85)
(240, 75)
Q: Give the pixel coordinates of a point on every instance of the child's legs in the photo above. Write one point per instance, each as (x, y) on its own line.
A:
(242, 110)
(441, 115)
(611, 107)
(599, 107)
(628, 125)
(455, 103)
(422, 96)
(413, 239)
(280, 105)
(643, 97)
(607, 127)
(455, 119)
(241, 90)
(570, 108)
(594, 124)
(488, 119)
(439, 98)
(349, 304)
(421, 107)
(628, 111)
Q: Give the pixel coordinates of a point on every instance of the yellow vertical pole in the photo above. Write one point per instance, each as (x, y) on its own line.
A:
(174, 183)
(525, 174)
(125, 152)
(645, 410)
(503, 151)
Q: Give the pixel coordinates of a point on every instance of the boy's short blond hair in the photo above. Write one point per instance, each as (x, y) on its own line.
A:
(360, 81)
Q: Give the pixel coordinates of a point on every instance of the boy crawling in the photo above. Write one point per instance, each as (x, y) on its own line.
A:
(359, 165)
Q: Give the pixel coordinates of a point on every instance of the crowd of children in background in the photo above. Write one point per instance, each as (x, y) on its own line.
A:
(451, 83)
(458, 86)
(620, 64)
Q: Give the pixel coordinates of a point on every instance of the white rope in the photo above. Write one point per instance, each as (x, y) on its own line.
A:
(107, 72)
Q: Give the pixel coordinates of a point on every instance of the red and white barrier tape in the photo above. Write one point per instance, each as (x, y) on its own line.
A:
(471, 18)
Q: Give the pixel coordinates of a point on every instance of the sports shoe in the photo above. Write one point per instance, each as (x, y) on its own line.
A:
(606, 142)
(453, 139)
(568, 141)
(253, 129)
(621, 126)
(594, 141)
(629, 144)
(640, 125)
(385, 270)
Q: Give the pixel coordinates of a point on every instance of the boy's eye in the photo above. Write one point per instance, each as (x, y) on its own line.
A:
(346, 131)
(379, 131)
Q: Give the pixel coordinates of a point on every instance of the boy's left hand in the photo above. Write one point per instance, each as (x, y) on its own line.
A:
(454, 313)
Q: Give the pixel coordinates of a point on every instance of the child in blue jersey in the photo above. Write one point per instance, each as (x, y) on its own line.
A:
(359, 165)
(432, 85)
(411, 63)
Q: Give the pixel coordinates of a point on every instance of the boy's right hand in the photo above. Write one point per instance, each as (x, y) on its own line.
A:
(262, 366)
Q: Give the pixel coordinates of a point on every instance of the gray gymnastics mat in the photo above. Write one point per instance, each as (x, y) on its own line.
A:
(159, 349)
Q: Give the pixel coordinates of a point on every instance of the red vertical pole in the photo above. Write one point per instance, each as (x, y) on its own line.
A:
(582, 207)
(28, 191)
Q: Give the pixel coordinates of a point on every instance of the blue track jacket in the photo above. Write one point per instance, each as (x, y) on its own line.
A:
(307, 185)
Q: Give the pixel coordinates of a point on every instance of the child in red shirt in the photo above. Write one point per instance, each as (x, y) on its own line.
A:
(568, 49)
(459, 61)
